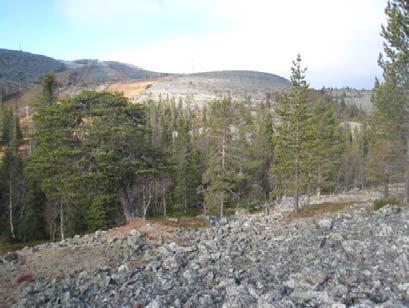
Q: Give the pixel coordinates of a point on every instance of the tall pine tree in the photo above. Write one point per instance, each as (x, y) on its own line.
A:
(295, 136)
(395, 64)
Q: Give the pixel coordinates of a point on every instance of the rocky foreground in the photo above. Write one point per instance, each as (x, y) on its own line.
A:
(355, 258)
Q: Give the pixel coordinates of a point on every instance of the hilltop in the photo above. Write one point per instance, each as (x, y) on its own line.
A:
(205, 86)
(19, 68)
(21, 71)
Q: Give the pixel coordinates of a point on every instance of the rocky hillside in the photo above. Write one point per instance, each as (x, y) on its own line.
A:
(19, 70)
(203, 87)
(356, 257)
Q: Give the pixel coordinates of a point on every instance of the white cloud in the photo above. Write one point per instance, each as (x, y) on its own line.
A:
(102, 11)
(339, 40)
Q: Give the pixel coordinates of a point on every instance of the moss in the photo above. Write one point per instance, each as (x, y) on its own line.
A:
(6, 246)
(191, 212)
(380, 203)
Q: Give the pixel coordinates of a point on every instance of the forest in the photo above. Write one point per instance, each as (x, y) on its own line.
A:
(96, 160)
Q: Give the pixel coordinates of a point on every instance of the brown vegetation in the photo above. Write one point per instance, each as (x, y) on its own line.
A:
(29, 278)
(132, 89)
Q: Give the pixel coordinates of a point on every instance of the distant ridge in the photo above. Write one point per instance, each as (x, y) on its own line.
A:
(20, 68)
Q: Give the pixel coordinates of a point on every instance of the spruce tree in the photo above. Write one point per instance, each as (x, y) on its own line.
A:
(12, 179)
(395, 63)
(295, 136)
(328, 148)
(262, 151)
(221, 175)
(386, 152)
(49, 89)
(187, 159)
(93, 155)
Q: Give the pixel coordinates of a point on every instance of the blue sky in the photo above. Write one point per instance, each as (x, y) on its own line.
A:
(339, 40)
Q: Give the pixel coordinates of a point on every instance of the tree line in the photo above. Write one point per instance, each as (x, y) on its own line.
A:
(98, 160)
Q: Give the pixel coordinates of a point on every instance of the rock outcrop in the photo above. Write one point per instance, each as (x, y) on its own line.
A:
(356, 258)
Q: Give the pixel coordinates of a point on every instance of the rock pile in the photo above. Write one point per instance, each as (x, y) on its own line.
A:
(359, 258)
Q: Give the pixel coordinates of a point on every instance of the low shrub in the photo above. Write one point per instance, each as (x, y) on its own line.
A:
(380, 203)
(25, 278)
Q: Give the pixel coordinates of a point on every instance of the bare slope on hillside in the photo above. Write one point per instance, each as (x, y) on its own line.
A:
(203, 87)
(91, 72)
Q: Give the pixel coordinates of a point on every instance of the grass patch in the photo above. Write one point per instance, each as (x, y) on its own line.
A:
(6, 246)
(181, 213)
(322, 209)
(258, 210)
(229, 211)
(189, 223)
(193, 212)
(380, 203)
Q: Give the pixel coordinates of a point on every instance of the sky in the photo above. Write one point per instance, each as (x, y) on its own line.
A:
(338, 40)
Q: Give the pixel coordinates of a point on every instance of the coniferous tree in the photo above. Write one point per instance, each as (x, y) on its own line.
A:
(262, 151)
(93, 154)
(49, 89)
(187, 176)
(32, 225)
(295, 136)
(221, 175)
(395, 64)
(386, 153)
(54, 160)
(12, 180)
(328, 148)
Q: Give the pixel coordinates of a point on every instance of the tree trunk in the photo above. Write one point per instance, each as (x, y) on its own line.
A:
(11, 210)
(185, 199)
(54, 230)
(222, 205)
(62, 220)
(157, 205)
(223, 168)
(308, 194)
(147, 202)
(386, 187)
(204, 209)
(266, 205)
(406, 196)
(143, 201)
(164, 200)
(126, 199)
(297, 167)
